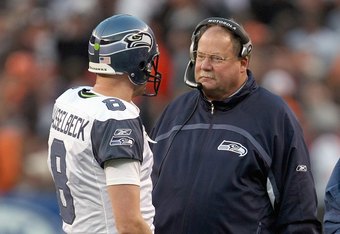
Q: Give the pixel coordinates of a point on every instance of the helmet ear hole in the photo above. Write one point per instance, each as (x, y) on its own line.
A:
(141, 65)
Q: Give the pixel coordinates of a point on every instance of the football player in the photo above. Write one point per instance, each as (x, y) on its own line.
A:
(99, 155)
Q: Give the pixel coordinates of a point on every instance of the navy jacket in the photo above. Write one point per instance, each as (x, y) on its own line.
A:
(234, 166)
(332, 202)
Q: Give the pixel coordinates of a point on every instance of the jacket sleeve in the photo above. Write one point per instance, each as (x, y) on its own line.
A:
(332, 202)
(297, 205)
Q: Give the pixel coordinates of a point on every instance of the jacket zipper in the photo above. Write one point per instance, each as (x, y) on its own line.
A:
(259, 228)
(212, 108)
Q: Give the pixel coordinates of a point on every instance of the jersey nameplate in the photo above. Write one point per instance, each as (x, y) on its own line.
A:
(69, 124)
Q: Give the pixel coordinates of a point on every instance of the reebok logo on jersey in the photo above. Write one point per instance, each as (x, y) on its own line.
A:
(302, 168)
(123, 132)
(233, 147)
(121, 137)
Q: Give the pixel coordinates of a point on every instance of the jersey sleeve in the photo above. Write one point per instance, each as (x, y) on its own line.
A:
(117, 139)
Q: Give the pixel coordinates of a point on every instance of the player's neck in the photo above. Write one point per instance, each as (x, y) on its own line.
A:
(114, 87)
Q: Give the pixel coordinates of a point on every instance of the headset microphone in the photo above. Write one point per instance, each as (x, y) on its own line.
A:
(190, 69)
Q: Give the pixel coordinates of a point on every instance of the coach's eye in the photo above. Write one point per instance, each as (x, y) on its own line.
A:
(213, 59)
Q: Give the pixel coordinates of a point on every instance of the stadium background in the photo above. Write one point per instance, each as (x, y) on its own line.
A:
(44, 51)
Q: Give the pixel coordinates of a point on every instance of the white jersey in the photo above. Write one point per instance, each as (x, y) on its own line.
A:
(86, 131)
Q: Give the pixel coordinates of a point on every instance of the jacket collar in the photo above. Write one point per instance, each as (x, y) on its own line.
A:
(232, 101)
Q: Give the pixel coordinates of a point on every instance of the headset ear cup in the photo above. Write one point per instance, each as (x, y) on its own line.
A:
(244, 52)
(246, 49)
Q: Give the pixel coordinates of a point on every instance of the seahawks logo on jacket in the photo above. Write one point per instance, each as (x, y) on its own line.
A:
(140, 39)
(233, 147)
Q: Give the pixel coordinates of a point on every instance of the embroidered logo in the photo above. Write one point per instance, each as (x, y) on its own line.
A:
(233, 147)
(121, 141)
(302, 168)
(121, 137)
(123, 132)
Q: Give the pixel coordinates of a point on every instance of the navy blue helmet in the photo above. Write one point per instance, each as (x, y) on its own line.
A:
(124, 44)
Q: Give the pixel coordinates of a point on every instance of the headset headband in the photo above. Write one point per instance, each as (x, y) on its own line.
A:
(229, 24)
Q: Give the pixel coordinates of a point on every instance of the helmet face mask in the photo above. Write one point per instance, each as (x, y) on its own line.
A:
(152, 77)
(123, 44)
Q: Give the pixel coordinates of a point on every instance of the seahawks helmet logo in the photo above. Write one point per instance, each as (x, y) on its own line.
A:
(140, 39)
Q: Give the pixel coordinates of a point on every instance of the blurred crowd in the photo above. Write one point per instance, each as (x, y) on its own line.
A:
(44, 51)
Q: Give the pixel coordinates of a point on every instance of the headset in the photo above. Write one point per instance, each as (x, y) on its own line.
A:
(232, 26)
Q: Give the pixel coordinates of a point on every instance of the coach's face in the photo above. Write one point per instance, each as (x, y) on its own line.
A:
(218, 68)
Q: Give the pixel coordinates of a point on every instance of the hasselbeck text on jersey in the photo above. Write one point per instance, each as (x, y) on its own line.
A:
(69, 124)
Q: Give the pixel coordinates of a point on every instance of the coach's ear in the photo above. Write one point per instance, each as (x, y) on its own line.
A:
(244, 63)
